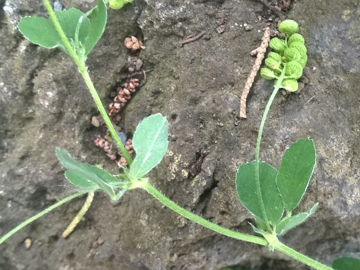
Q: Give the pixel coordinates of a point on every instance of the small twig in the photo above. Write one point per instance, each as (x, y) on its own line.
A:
(79, 216)
(310, 99)
(191, 39)
(260, 52)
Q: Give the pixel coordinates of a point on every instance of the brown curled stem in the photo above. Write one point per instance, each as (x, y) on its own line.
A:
(79, 216)
(188, 40)
(260, 54)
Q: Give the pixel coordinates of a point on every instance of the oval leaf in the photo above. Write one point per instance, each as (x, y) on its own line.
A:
(88, 177)
(97, 26)
(78, 180)
(150, 143)
(346, 263)
(295, 171)
(265, 205)
(294, 221)
(33, 28)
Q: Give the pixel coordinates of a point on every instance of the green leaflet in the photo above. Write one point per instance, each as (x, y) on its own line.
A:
(291, 222)
(346, 263)
(89, 178)
(265, 204)
(97, 26)
(295, 171)
(150, 143)
(32, 27)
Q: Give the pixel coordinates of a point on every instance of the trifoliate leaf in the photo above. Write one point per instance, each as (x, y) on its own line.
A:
(267, 74)
(293, 70)
(277, 44)
(291, 54)
(288, 27)
(296, 38)
(300, 47)
(290, 85)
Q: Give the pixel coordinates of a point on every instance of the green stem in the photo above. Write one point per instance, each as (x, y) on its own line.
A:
(277, 86)
(300, 257)
(83, 70)
(44, 212)
(199, 220)
(227, 232)
(262, 124)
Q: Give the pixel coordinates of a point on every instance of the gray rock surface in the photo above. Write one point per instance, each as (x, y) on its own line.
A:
(45, 104)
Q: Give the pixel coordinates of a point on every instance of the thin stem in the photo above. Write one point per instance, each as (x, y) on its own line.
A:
(277, 86)
(83, 70)
(44, 212)
(262, 124)
(227, 232)
(199, 220)
(300, 257)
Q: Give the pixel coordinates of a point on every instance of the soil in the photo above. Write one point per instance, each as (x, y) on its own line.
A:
(45, 104)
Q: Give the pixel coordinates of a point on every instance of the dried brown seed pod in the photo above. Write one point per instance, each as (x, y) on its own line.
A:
(133, 43)
(128, 42)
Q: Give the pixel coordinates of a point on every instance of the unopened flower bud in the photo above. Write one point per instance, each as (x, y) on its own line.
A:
(267, 74)
(293, 70)
(273, 64)
(303, 60)
(296, 38)
(274, 56)
(300, 47)
(277, 44)
(290, 85)
(288, 27)
(292, 54)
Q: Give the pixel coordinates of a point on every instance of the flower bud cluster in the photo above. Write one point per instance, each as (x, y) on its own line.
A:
(289, 54)
(124, 94)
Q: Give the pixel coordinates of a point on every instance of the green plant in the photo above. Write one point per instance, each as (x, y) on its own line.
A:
(273, 196)
(270, 194)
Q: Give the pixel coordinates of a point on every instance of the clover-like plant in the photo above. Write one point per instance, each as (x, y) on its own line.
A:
(269, 194)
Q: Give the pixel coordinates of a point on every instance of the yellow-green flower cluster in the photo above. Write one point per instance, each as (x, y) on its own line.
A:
(289, 54)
